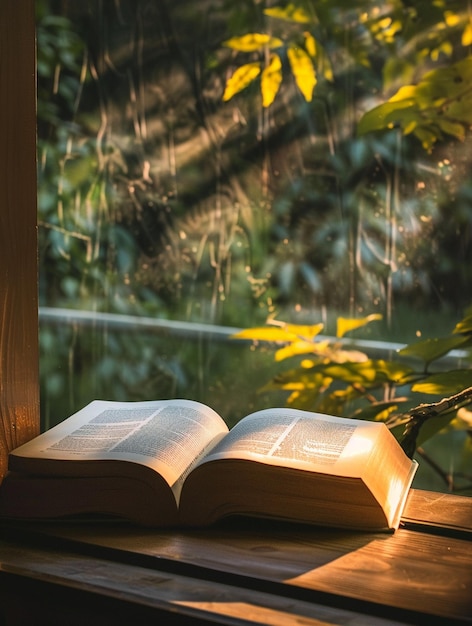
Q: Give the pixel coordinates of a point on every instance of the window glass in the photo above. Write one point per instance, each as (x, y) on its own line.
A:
(207, 166)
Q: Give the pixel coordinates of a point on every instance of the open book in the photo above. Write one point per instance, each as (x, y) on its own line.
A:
(174, 462)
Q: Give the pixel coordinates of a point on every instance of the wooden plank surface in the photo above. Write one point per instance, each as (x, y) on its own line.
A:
(167, 593)
(408, 571)
(441, 513)
(406, 575)
(19, 385)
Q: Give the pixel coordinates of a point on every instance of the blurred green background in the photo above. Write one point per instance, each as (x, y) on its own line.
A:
(160, 200)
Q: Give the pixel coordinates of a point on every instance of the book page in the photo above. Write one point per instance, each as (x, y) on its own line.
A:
(168, 436)
(300, 439)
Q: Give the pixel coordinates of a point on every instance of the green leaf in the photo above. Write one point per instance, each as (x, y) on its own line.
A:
(304, 400)
(452, 128)
(397, 69)
(393, 372)
(253, 42)
(446, 82)
(430, 428)
(439, 104)
(303, 71)
(434, 425)
(460, 110)
(370, 372)
(427, 136)
(431, 349)
(241, 78)
(445, 383)
(299, 379)
(379, 411)
(346, 324)
(332, 404)
(270, 80)
(383, 116)
(464, 326)
(410, 127)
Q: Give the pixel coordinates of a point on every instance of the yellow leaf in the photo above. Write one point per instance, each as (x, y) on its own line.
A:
(261, 334)
(345, 324)
(303, 71)
(264, 333)
(444, 383)
(328, 72)
(310, 44)
(326, 67)
(294, 349)
(445, 48)
(451, 19)
(291, 13)
(241, 78)
(299, 331)
(467, 35)
(270, 80)
(253, 42)
(385, 22)
(307, 364)
(410, 127)
(280, 332)
(347, 356)
(406, 93)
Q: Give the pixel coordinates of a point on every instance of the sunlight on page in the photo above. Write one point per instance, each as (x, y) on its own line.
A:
(359, 445)
(396, 498)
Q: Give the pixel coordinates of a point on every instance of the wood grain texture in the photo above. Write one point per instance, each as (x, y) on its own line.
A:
(419, 576)
(447, 513)
(19, 393)
(168, 594)
(405, 572)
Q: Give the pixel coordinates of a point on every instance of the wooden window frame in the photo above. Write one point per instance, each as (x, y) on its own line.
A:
(19, 351)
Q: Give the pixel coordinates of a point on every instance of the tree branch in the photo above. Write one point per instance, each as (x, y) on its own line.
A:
(416, 417)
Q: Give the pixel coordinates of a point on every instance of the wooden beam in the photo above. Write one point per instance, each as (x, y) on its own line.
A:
(19, 388)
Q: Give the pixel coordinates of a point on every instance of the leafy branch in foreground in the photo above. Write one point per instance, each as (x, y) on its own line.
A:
(415, 418)
(440, 104)
(422, 55)
(333, 377)
(306, 58)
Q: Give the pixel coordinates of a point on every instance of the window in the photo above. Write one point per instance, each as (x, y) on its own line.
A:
(175, 207)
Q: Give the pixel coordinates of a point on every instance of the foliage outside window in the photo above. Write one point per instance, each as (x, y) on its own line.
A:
(233, 163)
